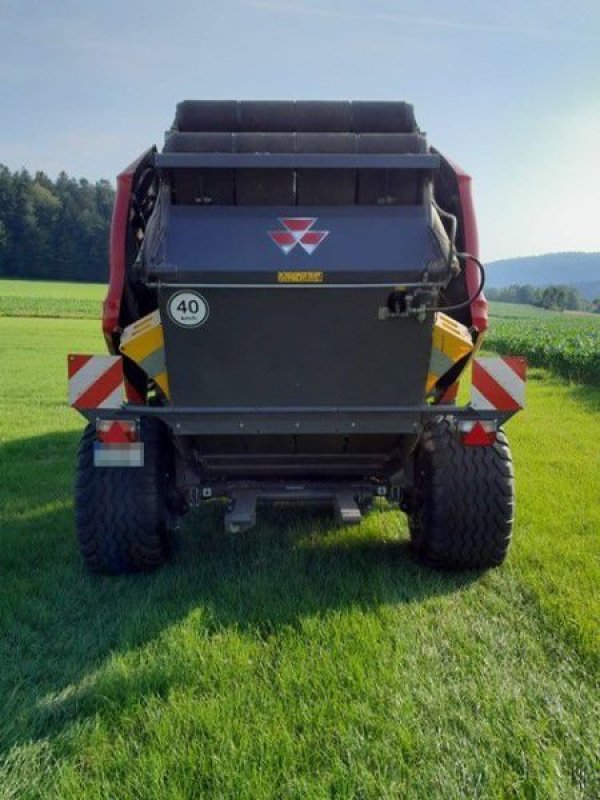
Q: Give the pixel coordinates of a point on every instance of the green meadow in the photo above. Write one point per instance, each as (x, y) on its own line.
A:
(566, 343)
(50, 299)
(297, 660)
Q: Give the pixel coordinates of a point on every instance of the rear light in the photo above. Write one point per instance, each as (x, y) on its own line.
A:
(118, 444)
(477, 433)
(111, 431)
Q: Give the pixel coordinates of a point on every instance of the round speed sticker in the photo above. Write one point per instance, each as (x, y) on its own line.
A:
(188, 309)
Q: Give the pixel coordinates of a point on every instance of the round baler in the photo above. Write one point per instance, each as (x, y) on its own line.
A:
(295, 292)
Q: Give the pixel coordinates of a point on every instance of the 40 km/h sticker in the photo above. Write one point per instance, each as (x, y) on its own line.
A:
(188, 309)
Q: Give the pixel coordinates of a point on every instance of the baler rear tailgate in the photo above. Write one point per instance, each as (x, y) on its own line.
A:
(294, 347)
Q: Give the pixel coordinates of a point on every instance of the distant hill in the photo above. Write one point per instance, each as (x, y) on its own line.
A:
(581, 270)
(588, 289)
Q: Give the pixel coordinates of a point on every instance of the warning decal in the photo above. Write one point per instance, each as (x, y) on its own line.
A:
(188, 309)
(499, 383)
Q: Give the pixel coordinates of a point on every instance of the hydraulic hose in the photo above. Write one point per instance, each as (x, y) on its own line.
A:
(453, 252)
(473, 297)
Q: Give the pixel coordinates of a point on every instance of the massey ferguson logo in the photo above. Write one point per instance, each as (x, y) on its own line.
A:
(298, 230)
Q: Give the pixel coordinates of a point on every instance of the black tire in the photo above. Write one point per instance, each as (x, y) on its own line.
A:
(463, 511)
(121, 514)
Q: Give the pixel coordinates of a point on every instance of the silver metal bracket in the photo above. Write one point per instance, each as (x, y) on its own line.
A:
(241, 510)
(347, 511)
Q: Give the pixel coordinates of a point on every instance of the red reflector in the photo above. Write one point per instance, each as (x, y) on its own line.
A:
(479, 436)
(116, 432)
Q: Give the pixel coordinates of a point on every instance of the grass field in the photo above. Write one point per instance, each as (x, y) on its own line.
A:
(51, 299)
(567, 343)
(295, 661)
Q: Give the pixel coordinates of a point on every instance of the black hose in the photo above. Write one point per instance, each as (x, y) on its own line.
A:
(474, 297)
(453, 228)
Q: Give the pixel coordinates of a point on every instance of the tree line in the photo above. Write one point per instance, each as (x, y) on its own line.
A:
(54, 229)
(557, 298)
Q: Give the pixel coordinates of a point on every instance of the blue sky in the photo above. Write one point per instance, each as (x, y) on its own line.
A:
(510, 90)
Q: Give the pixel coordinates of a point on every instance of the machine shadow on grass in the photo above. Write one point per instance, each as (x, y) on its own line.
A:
(587, 395)
(61, 626)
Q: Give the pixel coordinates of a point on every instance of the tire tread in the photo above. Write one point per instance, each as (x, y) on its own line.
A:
(465, 501)
(120, 513)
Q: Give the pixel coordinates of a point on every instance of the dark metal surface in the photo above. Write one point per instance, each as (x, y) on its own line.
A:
(241, 512)
(260, 348)
(294, 115)
(267, 420)
(222, 244)
(302, 160)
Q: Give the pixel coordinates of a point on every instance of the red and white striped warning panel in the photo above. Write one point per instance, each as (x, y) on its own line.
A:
(95, 381)
(498, 383)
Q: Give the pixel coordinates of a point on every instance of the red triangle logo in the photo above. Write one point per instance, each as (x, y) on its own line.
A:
(298, 230)
(298, 224)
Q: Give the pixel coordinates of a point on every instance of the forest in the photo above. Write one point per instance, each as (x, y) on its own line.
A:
(54, 229)
(555, 298)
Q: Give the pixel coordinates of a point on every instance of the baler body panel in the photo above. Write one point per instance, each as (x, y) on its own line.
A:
(230, 245)
(295, 346)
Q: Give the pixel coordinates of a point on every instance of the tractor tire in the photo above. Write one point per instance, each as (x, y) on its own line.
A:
(121, 513)
(463, 510)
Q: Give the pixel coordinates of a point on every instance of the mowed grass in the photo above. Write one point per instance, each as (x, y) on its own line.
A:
(298, 660)
(51, 299)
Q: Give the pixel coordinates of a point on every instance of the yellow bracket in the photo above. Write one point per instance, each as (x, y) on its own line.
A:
(451, 341)
(143, 342)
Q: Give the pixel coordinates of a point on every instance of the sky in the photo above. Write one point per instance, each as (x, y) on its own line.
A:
(510, 90)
